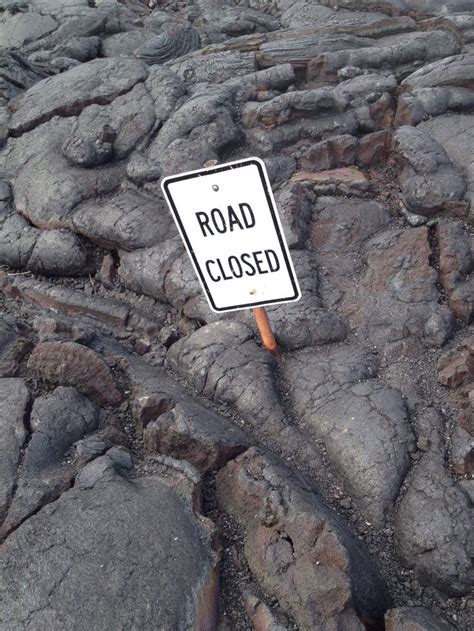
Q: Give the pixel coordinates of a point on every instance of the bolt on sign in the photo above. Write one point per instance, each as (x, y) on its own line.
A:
(228, 220)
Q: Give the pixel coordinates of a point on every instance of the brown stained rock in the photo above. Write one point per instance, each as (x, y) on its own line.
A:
(298, 549)
(108, 271)
(455, 265)
(456, 368)
(373, 149)
(260, 615)
(68, 363)
(414, 619)
(63, 299)
(462, 451)
(294, 203)
(190, 432)
(338, 151)
(396, 298)
(345, 178)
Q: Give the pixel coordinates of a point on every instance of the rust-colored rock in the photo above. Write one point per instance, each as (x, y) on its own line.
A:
(455, 266)
(456, 368)
(348, 178)
(70, 364)
(298, 548)
(193, 433)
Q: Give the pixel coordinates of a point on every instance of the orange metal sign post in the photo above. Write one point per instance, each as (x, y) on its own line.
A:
(265, 329)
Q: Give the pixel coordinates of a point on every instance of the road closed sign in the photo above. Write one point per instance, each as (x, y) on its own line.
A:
(228, 220)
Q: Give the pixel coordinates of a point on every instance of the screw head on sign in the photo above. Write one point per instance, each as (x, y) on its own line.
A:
(252, 292)
(215, 187)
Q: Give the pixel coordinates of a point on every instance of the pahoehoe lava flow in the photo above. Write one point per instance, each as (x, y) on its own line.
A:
(159, 468)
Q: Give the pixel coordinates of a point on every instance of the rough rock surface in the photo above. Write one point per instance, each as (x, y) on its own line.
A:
(15, 400)
(413, 619)
(298, 548)
(68, 363)
(363, 113)
(428, 178)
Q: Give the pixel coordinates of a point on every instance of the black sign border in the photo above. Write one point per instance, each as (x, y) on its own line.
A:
(218, 169)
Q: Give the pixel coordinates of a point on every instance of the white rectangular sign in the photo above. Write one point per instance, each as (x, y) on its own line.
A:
(228, 220)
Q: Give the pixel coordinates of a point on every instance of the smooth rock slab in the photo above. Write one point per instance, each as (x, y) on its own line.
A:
(455, 133)
(14, 401)
(22, 28)
(397, 297)
(57, 421)
(128, 221)
(110, 554)
(433, 528)
(362, 423)
(99, 81)
(300, 551)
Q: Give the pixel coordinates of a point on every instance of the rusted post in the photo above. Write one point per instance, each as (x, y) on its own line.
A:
(265, 329)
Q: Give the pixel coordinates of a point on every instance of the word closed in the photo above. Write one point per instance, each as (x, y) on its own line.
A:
(227, 218)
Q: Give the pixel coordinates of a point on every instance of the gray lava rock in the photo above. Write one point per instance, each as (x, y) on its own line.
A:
(215, 67)
(428, 178)
(455, 134)
(166, 90)
(400, 53)
(362, 423)
(57, 421)
(299, 549)
(434, 89)
(174, 41)
(111, 554)
(434, 528)
(14, 409)
(102, 133)
(414, 619)
(223, 362)
(452, 71)
(12, 349)
(213, 360)
(59, 253)
(22, 28)
(397, 296)
(128, 221)
(55, 252)
(144, 271)
(99, 81)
